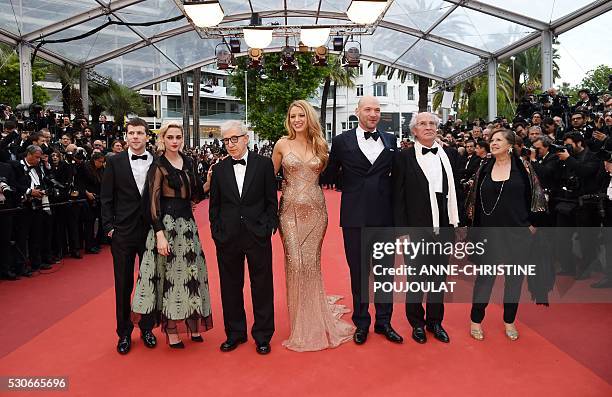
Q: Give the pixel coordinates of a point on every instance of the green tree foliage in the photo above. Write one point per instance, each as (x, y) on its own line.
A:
(268, 99)
(597, 79)
(10, 88)
(120, 101)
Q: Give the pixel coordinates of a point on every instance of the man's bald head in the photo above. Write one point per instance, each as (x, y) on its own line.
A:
(368, 112)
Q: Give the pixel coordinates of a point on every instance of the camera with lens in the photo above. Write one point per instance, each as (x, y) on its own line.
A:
(4, 187)
(556, 148)
(525, 152)
(55, 190)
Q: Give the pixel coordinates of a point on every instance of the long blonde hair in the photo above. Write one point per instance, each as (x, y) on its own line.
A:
(314, 134)
(162, 133)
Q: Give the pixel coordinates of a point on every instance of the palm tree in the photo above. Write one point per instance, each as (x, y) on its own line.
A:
(120, 100)
(343, 77)
(68, 75)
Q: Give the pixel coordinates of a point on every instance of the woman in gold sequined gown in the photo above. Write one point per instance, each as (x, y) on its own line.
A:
(314, 317)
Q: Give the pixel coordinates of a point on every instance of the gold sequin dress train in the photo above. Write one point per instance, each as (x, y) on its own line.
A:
(314, 317)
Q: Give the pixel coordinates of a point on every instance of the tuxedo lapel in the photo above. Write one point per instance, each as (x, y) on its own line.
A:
(419, 174)
(231, 176)
(251, 169)
(353, 145)
(125, 164)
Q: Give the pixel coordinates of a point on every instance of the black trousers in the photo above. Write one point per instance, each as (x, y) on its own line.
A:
(584, 220)
(230, 258)
(6, 230)
(607, 238)
(28, 235)
(124, 255)
(483, 287)
(433, 312)
(360, 282)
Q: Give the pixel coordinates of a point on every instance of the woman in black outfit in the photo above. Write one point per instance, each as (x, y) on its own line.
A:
(502, 197)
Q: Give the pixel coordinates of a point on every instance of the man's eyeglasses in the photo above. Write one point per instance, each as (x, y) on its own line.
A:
(233, 139)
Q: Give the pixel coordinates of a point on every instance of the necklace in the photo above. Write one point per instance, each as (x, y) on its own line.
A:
(496, 201)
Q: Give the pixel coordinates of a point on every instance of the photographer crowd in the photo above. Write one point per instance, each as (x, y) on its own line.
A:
(50, 174)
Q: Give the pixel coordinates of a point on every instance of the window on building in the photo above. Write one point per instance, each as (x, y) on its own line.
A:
(410, 93)
(374, 68)
(359, 88)
(174, 104)
(353, 122)
(361, 69)
(328, 127)
(380, 89)
(344, 126)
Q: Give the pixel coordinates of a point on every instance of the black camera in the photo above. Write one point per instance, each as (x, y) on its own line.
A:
(4, 186)
(556, 148)
(525, 152)
(54, 189)
(604, 155)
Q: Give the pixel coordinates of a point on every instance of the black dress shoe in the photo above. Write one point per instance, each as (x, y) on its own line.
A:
(93, 251)
(603, 283)
(439, 332)
(124, 344)
(583, 276)
(177, 345)
(197, 338)
(231, 344)
(418, 334)
(263, 348)
(148, 338)
(45, 266)
(389, 333)
(76, 255)
(26, 273)
(361, 336)
(9, 275)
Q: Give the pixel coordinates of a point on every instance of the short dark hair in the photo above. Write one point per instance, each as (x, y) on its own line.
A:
(96, 156)
(483, 144)
(576, 137)
(10, 124)
(137, 122)
(546, 141)
(548, 121)
(534, 113)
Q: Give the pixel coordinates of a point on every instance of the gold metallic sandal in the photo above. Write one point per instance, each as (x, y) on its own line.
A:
(512, 334)
(477, 334)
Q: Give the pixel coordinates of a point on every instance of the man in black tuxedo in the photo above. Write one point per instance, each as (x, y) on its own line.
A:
(243, 214)
(122, 195)
(424, 196)
(365, 157)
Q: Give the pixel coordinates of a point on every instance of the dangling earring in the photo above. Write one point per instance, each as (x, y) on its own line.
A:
(509, 150)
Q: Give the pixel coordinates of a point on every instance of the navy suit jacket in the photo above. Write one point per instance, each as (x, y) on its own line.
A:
(366, 187)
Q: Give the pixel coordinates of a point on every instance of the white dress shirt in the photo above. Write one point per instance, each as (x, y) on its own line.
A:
(240, 172)
(431, 165)
(140, 169)
(371, 148)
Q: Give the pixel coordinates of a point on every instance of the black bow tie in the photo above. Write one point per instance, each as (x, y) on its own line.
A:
(374, 135)
(425, 150)
(136, 157)
(241, 161)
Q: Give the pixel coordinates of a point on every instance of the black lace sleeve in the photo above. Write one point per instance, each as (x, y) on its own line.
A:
(155, 180)
(196, 185)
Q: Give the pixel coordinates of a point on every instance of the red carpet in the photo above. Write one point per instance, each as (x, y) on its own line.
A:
(63, 324)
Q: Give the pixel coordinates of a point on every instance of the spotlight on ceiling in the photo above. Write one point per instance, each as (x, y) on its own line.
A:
(338, 43)
(288, 61)
(351, 57)
(365, 12)
(256, 56)
(234, 45)
(257, 38)
(320, 56)
(225, 59)
(314, 37)
(204, 13)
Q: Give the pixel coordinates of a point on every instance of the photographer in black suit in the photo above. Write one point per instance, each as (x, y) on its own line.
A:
(123, 218)
(365, 156)
(243, 213)
(8, 196)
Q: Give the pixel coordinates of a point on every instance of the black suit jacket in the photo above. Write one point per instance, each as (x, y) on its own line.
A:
(256, 209)
(366, 187)
(123, 208)
(411, 204)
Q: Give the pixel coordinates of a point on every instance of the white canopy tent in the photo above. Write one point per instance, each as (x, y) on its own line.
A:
(448, 41)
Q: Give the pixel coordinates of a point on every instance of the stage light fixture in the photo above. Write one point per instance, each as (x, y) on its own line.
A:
(288, 61)
(234, 45)
(338, 43)
(351, 57)
(365, 12)
(256, 56)
(320, 56)
(204, 13)
(225, 59)
(314, 37)
(257, 38)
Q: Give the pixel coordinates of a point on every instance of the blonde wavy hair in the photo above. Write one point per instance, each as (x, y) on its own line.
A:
(162, 133)
(314, 134)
